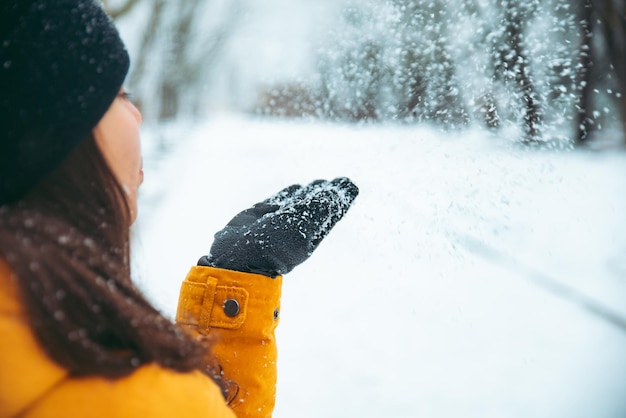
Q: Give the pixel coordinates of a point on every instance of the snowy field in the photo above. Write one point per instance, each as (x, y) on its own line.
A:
(472, 277)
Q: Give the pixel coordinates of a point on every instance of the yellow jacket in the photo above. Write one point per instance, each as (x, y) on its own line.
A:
(33, 386)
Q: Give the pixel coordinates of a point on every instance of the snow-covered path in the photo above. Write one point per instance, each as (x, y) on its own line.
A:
(470, 279)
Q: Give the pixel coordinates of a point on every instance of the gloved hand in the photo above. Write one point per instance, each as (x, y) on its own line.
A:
(275, 235)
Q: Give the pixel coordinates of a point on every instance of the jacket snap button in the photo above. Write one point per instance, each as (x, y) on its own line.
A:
(231, 307)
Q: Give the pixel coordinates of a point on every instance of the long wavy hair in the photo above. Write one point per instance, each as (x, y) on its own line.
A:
(68, 244)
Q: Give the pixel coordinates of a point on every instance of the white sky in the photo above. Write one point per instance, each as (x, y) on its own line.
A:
(276, 40)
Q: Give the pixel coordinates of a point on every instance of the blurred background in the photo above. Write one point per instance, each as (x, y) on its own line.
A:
(481, 271)
(554, 69)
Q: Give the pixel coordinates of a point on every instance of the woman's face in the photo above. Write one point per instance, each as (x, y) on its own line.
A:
(117, 136)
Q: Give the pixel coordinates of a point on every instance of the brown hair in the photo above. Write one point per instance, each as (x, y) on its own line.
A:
(67, 243)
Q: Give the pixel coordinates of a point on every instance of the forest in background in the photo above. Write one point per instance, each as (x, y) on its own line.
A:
(555, 69)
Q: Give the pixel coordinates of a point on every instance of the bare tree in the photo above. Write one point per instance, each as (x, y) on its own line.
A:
(605, 19)
(180, 71)
(612, 15)
(585, 83)
(146, 45)
(177, 50)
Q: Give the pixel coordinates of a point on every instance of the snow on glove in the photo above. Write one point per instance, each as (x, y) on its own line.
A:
(275, 235)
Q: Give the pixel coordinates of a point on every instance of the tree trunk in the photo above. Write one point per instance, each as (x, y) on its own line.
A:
(149, 36)
(612, 14)
(585, 85)
(178, 72)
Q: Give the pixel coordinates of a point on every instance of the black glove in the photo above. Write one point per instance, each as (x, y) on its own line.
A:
(275, 235)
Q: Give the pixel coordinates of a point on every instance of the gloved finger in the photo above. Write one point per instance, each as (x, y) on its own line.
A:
(345, 186)
(296, 194)
(249, 216)
(263, 208)
(339, 193)
(342, 185)
(303, 192)
(283, 196)
(332, 208)
(314, 187)
(316, 215)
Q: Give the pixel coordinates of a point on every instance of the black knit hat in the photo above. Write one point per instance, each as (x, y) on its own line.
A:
(62, 64)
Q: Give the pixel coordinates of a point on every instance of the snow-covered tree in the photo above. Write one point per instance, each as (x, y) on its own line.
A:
(499, 62)
(392, 60)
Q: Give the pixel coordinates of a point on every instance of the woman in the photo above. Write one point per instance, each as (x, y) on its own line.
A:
(77, 338)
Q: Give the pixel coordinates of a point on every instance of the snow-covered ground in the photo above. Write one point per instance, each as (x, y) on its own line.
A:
(472, 277)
